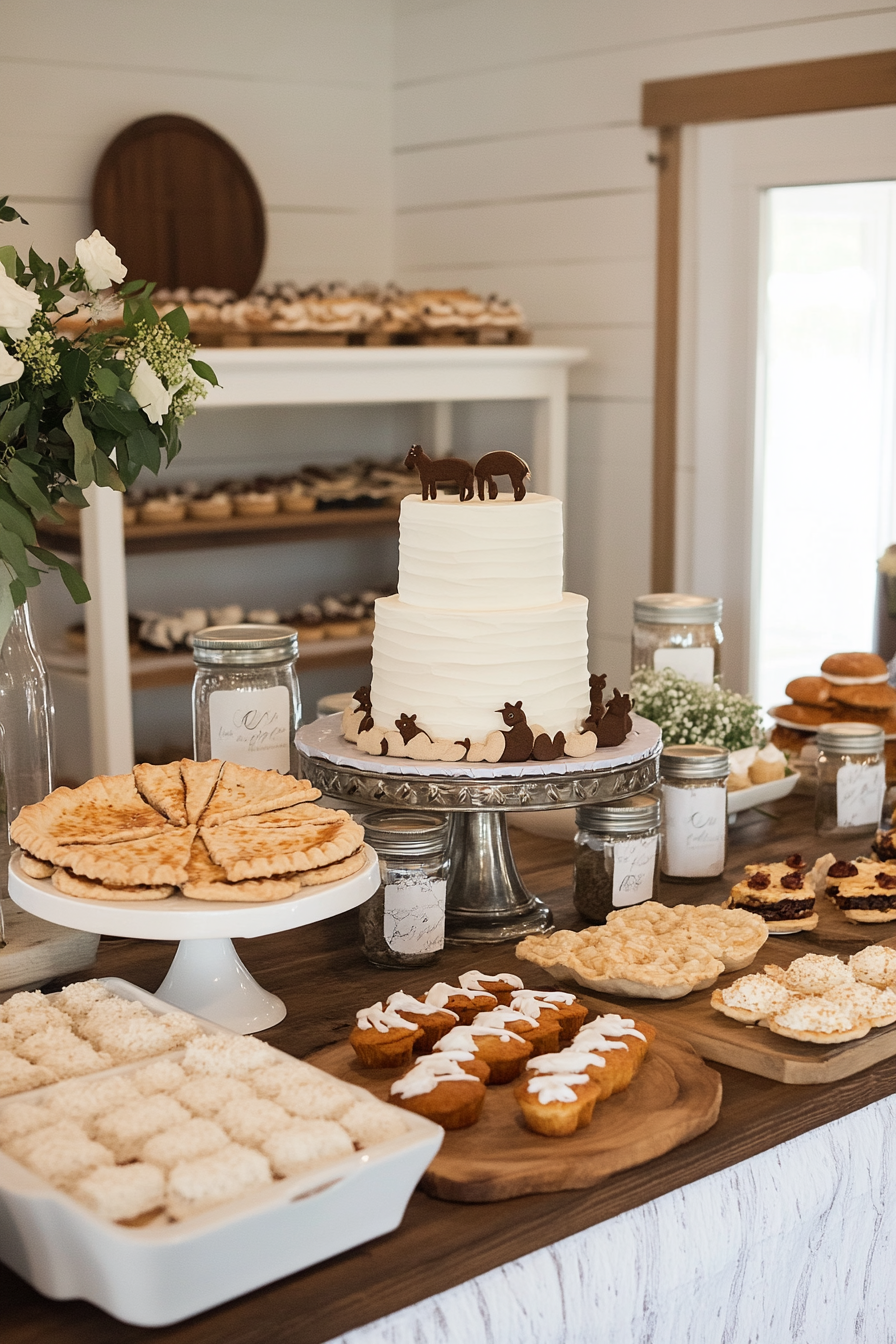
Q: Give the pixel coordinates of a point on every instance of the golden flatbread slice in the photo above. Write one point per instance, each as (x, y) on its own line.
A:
(158, 861)
(200, 778)
(102, 811)
(274, 850)
(335, 872)
(289, 816)
(33, 867)
(206, 881)
(70, 885)
(245, 792)
(163, 788)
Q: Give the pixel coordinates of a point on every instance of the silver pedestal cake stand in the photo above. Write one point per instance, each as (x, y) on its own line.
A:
(487, 901)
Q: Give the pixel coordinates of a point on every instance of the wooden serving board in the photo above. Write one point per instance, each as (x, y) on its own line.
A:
(36, 951)
(756, 1049)
(673, 1098)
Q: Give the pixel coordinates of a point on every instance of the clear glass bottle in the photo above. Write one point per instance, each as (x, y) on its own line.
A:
(403, 923)
(616, 855)
(851, 778)
(680, 631)
(246, 702)
(693, 789)
(26, 730)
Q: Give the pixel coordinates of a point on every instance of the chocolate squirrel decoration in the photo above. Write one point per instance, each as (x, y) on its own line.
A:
(521, 744)
(433, 470)
(408, 727)
(616, 724)
(362, 696)
(598, 709)
(501, 464)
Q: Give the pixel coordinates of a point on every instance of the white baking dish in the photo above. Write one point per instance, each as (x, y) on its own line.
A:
(155, 1276)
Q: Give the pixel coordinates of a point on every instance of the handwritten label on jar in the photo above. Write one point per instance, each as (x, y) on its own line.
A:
(414, 914)
(860, 793)
(695, 664)
(633, 864)
(694, 822)
(251, 727)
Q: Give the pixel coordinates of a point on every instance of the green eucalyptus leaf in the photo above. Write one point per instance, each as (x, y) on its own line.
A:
(8, 602)
(204, 371)
(173, 443)
(70, 576)
(178, 321)
(131, 287)
(106, 473)
(15, 519)
(144, 448)
(8, 258)
(73, 495)
(24, 486)
(13, 420)
(12, 548)
(18, 591)
(110, 416)
(85, 448)
(124, 399)
(106, 381)
(75, 368)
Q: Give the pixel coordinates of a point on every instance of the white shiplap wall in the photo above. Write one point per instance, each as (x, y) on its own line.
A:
(520, 166)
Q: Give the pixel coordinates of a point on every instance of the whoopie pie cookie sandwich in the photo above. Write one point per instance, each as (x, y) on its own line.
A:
(865, 891)
(780, 893)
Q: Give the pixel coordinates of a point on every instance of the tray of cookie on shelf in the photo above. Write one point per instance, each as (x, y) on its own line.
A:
(533, 1091)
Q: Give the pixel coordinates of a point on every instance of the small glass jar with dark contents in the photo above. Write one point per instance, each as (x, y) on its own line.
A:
(617, 859)
(403, 923)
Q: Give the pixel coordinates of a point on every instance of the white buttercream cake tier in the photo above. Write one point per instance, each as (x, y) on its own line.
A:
(456, 669)
(481, 555)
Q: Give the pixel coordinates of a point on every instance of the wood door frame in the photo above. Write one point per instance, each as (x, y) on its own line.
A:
(837, 84)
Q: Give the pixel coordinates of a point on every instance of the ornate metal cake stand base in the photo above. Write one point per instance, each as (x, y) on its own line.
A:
(487, 901)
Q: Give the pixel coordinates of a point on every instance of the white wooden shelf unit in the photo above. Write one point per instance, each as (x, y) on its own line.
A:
(260, 376)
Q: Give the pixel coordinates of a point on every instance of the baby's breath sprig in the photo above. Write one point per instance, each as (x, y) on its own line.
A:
(688, 711)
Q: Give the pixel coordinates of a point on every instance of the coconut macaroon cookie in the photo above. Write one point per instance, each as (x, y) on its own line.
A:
(817, 1019)
(875, 965)
(811, 974)
(752, 998)
(780, 893)
(877, 1005)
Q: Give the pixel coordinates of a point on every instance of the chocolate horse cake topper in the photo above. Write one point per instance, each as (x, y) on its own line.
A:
(501, 464)
(432, 470)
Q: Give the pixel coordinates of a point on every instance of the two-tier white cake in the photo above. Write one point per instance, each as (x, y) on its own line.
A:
(480, 619)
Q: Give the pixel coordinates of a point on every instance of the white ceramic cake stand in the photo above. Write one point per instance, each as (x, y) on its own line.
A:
(206, 976)
(487, 901)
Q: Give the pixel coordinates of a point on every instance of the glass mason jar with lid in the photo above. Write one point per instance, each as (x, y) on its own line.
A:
(616, 855)
(246, 704)
(679, 631)
(695, 812)
(851, 778)
(403, 923)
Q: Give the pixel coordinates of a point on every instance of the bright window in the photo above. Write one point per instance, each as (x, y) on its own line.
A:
(825, 440)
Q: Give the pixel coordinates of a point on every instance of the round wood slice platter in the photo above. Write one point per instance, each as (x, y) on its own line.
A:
(673, 1098)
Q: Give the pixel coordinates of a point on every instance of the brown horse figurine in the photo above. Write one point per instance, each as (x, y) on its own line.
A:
(501, 464)
(432, 470)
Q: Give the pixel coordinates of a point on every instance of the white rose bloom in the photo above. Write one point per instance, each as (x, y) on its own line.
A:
(11, 369)
(102, 264)
(150, 393)
(17, 307)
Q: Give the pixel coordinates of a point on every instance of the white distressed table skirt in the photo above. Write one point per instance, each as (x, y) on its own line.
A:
(794, 1246)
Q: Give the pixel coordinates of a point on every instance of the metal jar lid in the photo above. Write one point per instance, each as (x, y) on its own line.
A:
(628, 816)
(677, 609)
(694, 762)
(245, 645)
(850, 737)
(397, 834)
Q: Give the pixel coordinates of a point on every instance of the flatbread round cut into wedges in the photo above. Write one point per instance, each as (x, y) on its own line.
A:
(274, 850)
(163, 788)
(82, 887)
(207, 881)
(242, 791)
(160, 860)
(102, 811)
(200, 778)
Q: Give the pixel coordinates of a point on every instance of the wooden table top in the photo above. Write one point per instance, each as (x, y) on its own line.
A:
(323, 978)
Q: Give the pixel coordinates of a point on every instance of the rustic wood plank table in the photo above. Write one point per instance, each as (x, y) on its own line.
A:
(323, 978)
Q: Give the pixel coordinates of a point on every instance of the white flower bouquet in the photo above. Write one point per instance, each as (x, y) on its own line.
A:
(95, 407)
(688, 711)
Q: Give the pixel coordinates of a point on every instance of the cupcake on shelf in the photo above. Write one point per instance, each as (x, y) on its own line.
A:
(502, 1050)
(210, 504)
(342, 617)
(309, 623)
(383, 1040)
(440, 1089)
(166, 506)
(256, 499)
(295, 497)
(557, 1104)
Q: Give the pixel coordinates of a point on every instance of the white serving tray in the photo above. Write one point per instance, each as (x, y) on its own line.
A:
(757, 794)
(154, 1276)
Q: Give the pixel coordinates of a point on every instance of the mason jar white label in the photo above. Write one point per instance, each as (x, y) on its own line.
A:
(695, 664)
(633, 865)
(251, 727)
(694, 822)
(860, 793)
(414, 914)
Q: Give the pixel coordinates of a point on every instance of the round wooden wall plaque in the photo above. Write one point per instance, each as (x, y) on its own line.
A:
(180, 206)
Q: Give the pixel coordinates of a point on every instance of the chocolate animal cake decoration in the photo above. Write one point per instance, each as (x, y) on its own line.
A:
(616, 724)
(518, 743)
(501, 464)
(598, 709)
(440, 469)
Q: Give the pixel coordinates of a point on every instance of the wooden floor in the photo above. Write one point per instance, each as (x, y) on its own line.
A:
(323, 979)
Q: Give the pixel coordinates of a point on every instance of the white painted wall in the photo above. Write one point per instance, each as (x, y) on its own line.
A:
(520, 166)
